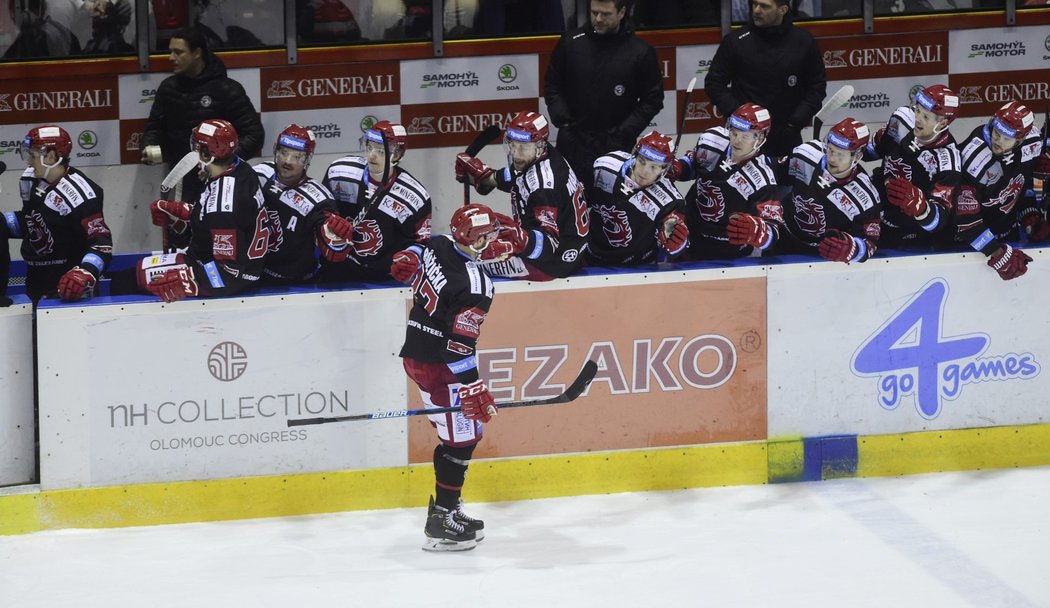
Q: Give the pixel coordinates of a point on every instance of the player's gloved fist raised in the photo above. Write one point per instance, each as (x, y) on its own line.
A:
(173, 285)
(904, 195)
(1010, 263)
(470, 170)
(477, 401)
(838, 247)
(75, 283)
(337, 230)
(175, 213)
(404, 266)
(745, 229)
(673, 234)
(510, 240)
(1035, 227)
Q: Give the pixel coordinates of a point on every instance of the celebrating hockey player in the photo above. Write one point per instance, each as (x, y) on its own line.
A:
(451, 297)
(998, 161)
(301, 211)
(546, 199)
(66, 243)
(731, 209)
(920, 169)
(390, 210)
(834, 208)
(635, 205)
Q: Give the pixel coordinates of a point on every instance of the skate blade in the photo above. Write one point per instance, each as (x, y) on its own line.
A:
(437, 545)
(479, 535)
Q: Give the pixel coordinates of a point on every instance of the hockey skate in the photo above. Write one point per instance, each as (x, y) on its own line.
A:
(445, 533)
(472, 524)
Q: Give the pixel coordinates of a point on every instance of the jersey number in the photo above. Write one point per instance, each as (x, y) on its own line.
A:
(425, 293)
(261, 238)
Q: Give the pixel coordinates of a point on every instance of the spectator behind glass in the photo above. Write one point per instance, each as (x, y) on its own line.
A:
(108, 22)
(325, 22)
(415, 21)
(39, 35)
(501, 17)
(241, 23)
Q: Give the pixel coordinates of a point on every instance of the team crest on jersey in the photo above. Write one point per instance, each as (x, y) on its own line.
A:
(1006, 198)
(276, 230)
(95, 226)
(548, 219)
(896, 167)
(615, 225)
(809, 216)
(424, 230)
(39, 234)
(710, 201)
(468, 322)
(771, 211)
(224, 244)
(368, 238)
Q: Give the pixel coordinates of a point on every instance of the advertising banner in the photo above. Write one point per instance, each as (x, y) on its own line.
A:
(337, 130)
(59, 100)
(981, 94)
(17, 444)
(999, 49)
(849, 58)
(346, 85)
(679, 364)
(875, 99)
(95, 143)
(137, 92)
(465, 79)
(910, 344)
(209, 391)
(436, 125)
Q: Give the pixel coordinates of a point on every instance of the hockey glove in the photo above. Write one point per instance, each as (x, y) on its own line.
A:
(1042, 169)
(838, 247)
(673, 235)
(1010, 263)
(404, 266)
(173, 285)
(907, 198)
(510, 240)
(745, 229)
(173, 213)
(476, 401)
(337, 231)
(470, 170)
(1035, 227)
(75, 284)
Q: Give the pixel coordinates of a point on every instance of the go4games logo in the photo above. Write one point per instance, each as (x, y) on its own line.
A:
(912, 355)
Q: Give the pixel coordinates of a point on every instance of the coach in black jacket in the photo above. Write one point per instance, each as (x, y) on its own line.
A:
(603, 87)
(198, 90)
(775, 64)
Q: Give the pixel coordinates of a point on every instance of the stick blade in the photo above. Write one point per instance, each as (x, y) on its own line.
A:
(836, 101)
(181, 168)
(582, 381)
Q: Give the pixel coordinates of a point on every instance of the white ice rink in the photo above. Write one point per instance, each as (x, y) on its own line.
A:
(930, 541)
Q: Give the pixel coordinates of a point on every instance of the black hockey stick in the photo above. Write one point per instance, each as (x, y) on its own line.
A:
(831, 106)
(487, 136)
(590, 368)
(685, 110)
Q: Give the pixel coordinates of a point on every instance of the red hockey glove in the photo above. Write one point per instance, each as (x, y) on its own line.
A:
(477, 401)
(75, 283)
(1010, 263)
(745, 229)
(405, 265)
(1042, 169)
(838, 247)
(510, 240)
(173, 285)
(673, 235)
(1035, 227)
(337, 231)
(907, 197)
(173, 213)
(470, 170)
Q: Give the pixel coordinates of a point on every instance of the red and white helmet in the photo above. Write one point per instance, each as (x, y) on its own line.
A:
(48, 137)
(390, 134)
(471, 222)
(297, 138)
(215, 137)
(940, 100)
(656, 147)
(750, 117)
(1013, 120)
(848, 134)
(527, 127)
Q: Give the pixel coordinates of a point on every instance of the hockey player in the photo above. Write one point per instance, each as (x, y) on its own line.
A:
(228, 227)
(546, 199)
(731, 209)
(920, 169)
(834, 208)
(998, 161)
(635, 205)
(451, 297)
(390, 210)
(301, 211)
(66, 243)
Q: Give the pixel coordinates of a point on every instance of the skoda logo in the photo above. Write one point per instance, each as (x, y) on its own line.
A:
(368, 122)
(227, 361)
(87, 139)
(508, 73)
(914, 91)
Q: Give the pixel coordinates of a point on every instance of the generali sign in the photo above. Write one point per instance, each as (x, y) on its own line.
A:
(884, 56)
(60, 100)
(330, 86)
(983, 93)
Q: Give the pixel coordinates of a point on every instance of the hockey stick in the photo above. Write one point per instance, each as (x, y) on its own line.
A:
(174, 180)
(590, 368)
(685, 110)
(836, 101)
(487, 135)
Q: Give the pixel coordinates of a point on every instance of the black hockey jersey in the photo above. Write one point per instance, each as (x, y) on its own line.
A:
(991, 198)
(721, 189)
(934, 169)
(296, 216)
(819, 203)
(61, 226)
(399, 218)
(626, 218)
(229, 232)
(451, 297)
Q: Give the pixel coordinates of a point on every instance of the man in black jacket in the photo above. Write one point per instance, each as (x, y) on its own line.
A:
(199, 90)
(603, 87)
(774, 64)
